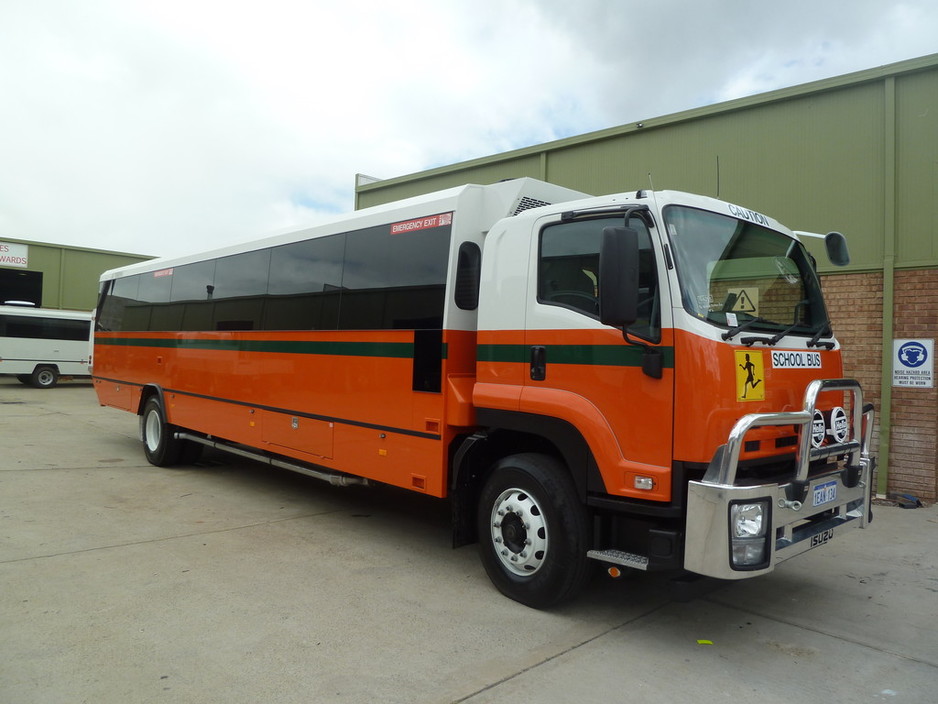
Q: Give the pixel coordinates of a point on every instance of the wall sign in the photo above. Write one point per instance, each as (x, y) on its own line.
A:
(14, 255)
(913, 363)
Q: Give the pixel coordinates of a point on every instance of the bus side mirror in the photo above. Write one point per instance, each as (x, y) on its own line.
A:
(837, 252)
(618, 277)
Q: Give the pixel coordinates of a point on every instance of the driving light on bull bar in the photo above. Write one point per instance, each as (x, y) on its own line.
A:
(749, 522)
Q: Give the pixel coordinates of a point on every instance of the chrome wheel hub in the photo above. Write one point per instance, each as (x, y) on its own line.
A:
(519, 532)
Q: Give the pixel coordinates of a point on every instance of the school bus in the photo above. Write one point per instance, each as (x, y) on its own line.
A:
(645, 380)
(40, 345)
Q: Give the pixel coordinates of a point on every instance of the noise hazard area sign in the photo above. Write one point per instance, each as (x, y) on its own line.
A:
(913, 363)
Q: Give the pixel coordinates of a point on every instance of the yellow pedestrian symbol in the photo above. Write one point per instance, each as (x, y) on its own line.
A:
(750, 376)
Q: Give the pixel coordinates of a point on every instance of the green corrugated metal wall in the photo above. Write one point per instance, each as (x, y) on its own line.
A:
(858, 153)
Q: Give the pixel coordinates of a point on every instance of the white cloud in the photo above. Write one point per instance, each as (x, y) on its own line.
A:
(165, 126)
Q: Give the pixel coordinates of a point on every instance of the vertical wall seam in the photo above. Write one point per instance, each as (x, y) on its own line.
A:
(890, 187)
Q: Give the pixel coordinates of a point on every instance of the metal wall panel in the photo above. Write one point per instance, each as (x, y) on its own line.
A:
(917, 169)
(814, 163)
(817, 157)
(482, 171)
(70, 274)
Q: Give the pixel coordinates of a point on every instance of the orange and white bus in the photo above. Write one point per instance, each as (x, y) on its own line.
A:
(646, 380)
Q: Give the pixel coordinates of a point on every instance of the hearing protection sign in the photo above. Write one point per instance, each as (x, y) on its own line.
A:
(913, 363)
(750, 376)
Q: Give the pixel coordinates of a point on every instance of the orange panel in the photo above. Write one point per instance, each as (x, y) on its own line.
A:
(344, 400)
(709, 396)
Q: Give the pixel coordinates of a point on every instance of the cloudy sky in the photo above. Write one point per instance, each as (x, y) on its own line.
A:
(166, 126)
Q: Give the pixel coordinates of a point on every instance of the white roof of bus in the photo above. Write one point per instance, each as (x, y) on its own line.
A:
(33, 312)
(507, 192)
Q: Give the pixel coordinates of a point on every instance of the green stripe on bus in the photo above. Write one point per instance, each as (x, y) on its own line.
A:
(400, 350)
(598, 355)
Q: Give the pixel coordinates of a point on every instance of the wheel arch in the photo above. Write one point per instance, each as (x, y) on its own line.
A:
(509, 433)
(146, 392)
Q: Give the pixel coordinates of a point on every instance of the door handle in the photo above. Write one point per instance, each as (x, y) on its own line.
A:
(538, 363)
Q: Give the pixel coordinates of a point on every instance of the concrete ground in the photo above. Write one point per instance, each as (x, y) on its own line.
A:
(232, 582)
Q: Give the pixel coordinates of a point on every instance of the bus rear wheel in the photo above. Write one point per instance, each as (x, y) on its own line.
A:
(44, 377)
(159, 444)
(533, 531)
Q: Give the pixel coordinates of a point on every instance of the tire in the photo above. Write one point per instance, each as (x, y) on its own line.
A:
(533, 531)
(159, 445)
(44, 377)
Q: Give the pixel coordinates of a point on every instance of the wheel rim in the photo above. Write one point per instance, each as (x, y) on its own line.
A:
(519, 532)
(45, 377)
(154, 431)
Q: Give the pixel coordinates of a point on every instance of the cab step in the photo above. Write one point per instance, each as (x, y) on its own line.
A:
(620, 557)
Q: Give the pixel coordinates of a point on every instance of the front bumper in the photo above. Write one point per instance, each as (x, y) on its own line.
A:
(802, 513)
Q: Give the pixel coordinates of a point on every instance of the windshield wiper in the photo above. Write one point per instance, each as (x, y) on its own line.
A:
(775, 338)
(825, 327)
(779, 336)
(732, 332)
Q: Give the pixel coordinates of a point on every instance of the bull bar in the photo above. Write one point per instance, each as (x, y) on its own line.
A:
(795, 520)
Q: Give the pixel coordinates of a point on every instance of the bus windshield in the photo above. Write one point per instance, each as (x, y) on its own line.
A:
(737, 273)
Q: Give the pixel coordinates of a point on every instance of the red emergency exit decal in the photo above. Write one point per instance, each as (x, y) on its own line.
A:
(422, 223)
(162, 272)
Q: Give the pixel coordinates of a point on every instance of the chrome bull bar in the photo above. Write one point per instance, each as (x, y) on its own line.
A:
(839, 499)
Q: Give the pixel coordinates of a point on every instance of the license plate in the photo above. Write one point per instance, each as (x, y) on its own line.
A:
(822, 537)
(825, 493)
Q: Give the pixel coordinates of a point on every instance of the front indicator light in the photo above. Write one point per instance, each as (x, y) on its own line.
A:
(644, 483)
(749, 524)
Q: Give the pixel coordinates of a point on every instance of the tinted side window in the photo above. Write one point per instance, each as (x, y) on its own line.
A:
(43, 328)
(122, 308)
(394, 281)
(155, 286)
(368, 279)
(77, 330)
(303, 293)
(193, 282)
(468, 275)
(242, 275)
(239, 290)
(191, 295)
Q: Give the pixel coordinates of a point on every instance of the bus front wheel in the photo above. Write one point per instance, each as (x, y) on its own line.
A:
(533, 531)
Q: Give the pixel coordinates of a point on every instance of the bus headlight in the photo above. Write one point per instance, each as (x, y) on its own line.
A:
(749, 523)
